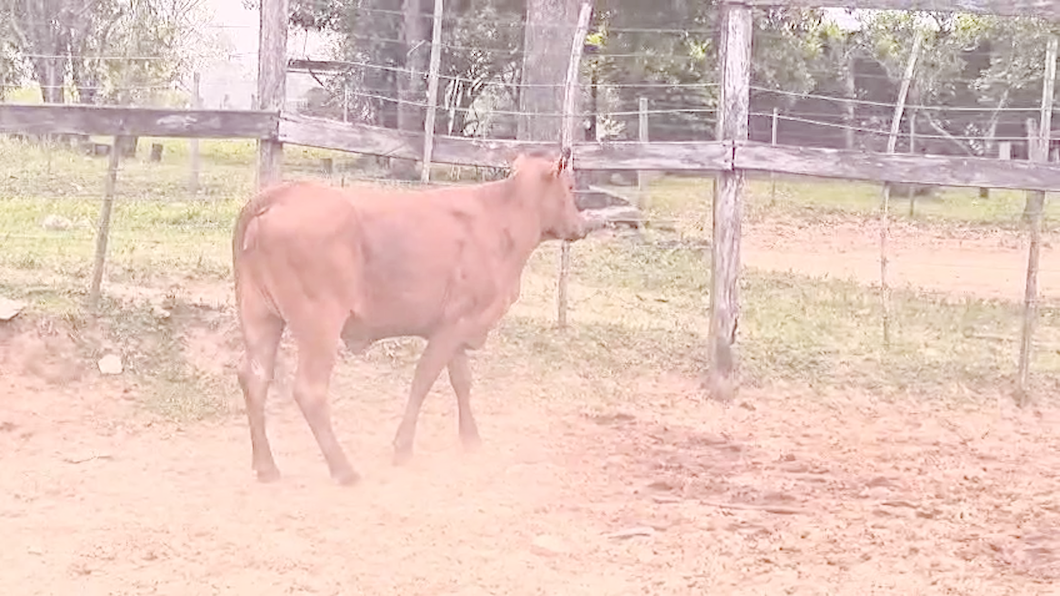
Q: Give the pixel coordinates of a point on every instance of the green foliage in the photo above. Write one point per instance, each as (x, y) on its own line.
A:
(103, 51)
(638, 306)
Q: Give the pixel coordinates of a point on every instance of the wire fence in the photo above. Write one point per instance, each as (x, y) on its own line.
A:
(176, 199)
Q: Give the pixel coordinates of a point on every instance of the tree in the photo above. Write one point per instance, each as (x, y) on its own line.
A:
(110, 51)
(386, 45)
(547, 38)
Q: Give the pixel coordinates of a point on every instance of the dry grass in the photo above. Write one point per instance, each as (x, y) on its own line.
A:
(818, 479)
(638, 305)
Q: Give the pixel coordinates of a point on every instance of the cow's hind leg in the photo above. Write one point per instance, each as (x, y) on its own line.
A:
(317, 341)
(436, 355)
(460, 379)
(262, 338)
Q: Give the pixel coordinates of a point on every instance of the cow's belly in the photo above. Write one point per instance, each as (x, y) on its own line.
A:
(399, 312)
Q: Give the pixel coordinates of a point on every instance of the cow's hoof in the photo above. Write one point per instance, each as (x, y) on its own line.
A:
(268, 475)
(472, 443)
(402, 455)
(346, 478)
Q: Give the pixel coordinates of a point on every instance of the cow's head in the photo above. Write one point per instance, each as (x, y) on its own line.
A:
(549, 185)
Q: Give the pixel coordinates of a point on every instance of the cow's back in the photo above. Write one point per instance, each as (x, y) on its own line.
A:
(397, 262)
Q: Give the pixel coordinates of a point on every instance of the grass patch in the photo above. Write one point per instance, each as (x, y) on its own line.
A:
(152, 349)
(687, 201)
(638, 308)
(633, 319)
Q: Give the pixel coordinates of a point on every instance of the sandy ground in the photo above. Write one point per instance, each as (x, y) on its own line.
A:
(780, 492)
(979, 263)
(789, 495)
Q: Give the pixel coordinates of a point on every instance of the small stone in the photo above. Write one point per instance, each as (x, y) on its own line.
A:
(545, 544)
(110, 365)
(632, 532)
(10, 309)
(56, 222)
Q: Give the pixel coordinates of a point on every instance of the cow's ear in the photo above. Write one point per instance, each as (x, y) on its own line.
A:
(509, 155)
(564, 162)
(516, 163)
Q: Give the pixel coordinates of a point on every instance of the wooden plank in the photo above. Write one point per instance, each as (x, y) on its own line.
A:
(728, 204)
(43, 119)
(631, 155)
(644, 201)
(566, 142)
(1046, 9)
(298, 129)
(103, 228)
(432, 92)
(892, 144)
(193, 145)
(272, 83)
(910, 169)
(317, 66)
(773, 141)
(1035, 206)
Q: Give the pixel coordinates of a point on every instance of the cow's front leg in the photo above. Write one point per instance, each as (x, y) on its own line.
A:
(460, 379)
(437, 354)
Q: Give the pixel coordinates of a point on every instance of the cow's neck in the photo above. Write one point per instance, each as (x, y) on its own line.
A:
(518, 220)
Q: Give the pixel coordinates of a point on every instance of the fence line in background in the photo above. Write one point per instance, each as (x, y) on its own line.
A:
(892, 142)
(567, 146)
(1035, 203)
(732, 156)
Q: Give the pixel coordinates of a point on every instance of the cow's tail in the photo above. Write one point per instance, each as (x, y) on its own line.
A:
(244, 234)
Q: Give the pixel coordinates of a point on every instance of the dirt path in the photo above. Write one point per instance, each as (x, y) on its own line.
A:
(980, 263)
(836, 496)
(795, 494)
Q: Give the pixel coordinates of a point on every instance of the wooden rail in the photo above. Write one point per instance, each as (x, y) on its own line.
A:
(711, 156)
(39, 119)
(1047, 9)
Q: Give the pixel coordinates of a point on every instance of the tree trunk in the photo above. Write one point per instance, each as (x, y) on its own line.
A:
(126, 146)
(411, 85)
(550, 26)
(377, 21)
(49, 73)
(412, 90)
(849, 114)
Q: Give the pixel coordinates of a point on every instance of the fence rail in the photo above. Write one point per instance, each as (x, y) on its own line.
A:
(46, 119)
(1008, 8)
(715, 156)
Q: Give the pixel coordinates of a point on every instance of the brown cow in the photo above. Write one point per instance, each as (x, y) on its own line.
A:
(363, 265)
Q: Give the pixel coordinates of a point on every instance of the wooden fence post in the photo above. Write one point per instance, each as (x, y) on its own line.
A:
(772, 174)
(912, 151)
(432, 92)
(642, 136)
(1039, 151)
(734, 107)
(103, 227)
(272, 83)
(567, 143)
(193, 144)
(892, 144)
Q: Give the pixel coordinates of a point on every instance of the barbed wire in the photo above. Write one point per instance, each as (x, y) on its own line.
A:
(919, 135)
(520, 22)
(883, 104)
(422, 104)
(119, 58)
(596, 55)
(460, 79)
